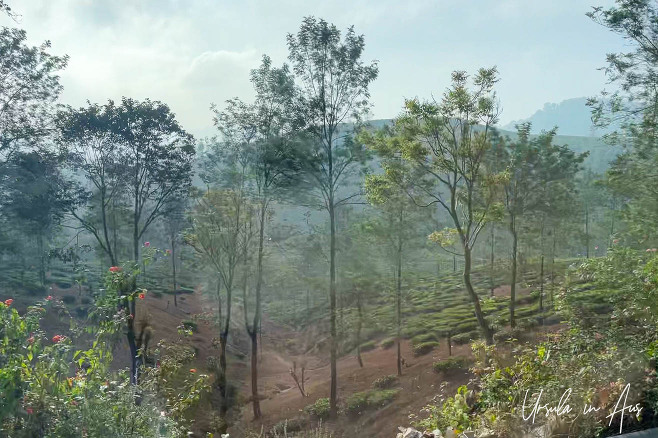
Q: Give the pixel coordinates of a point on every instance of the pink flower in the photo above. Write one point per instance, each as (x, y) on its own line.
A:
(616, 241)
(141, 296)
(49, 297)
(29, 411)
(192, 370)
(58, 338)
(167, 251)
(131, 316)
(30, 340)
(8, 301)
(147, 244)
(115, 269)
(596, 247)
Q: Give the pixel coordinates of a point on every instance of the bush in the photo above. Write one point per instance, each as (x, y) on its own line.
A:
(387, 343)
(425, 337)
(424, 348)
(449, 364)
(188, 324)
(319, 409)
(367, 346)
(465, 338)
(290, 425)
(372, 399)
(385, 382)
(68, 299)
(85, 300)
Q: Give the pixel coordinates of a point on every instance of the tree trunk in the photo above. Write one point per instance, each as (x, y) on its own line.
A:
(541, 289)
(586, 230)
(398, 299)
(486, 331)
(255, 327)
(491, 274)
(173, 266)
(515, 242)
(359, 323)
(221, 382)
(332, 311)
(254, 374)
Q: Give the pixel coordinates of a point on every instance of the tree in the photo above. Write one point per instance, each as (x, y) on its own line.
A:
(175, 223)
(399, 216)
(33, 196)
(538, 173)
(333, 89)
(258, 157)
(91, 143)
(157, 156)
(444, 145)
(29, 86)
(634, 108)
(219, 223)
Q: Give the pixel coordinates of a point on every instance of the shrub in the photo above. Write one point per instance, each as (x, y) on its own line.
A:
(290, 425)
(64, 285)
(372, 399)
(387, 343)
(451, 363)
(425, 337)
(319, 409)
(68, 299)
(385, 382)
(188, 324)
(465, 338)
(85, 300)
(367, 346)
(424, 348)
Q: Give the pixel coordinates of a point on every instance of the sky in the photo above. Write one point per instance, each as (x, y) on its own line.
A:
(191, 53)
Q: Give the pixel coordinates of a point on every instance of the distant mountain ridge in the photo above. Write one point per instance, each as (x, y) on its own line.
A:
(571, 116)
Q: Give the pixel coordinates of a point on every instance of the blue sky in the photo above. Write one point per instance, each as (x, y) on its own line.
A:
(195, 52)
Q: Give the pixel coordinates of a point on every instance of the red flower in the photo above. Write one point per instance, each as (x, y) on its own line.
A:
(29, 411)
(58, 338)
(167, 251)
(147, 244)
(192, 370)
(30, 340)
(141, 296)
(49, 297)
(616, 241)
(8, 301)
(115, 269)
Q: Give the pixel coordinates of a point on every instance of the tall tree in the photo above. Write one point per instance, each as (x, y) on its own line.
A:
(88, 138)
(538, 171)
(157, 156)
(219, 221)
(634, 108)
(399, 217)
(34, 196)
(333, 90)
(257, 154)
(444, 145)
(29, 86)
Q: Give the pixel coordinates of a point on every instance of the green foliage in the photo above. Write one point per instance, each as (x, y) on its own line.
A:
(359, 402)
(449, 364)
(424, 348)
(385, 382)
(319, 409)
(453, 413)
(51, 388)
